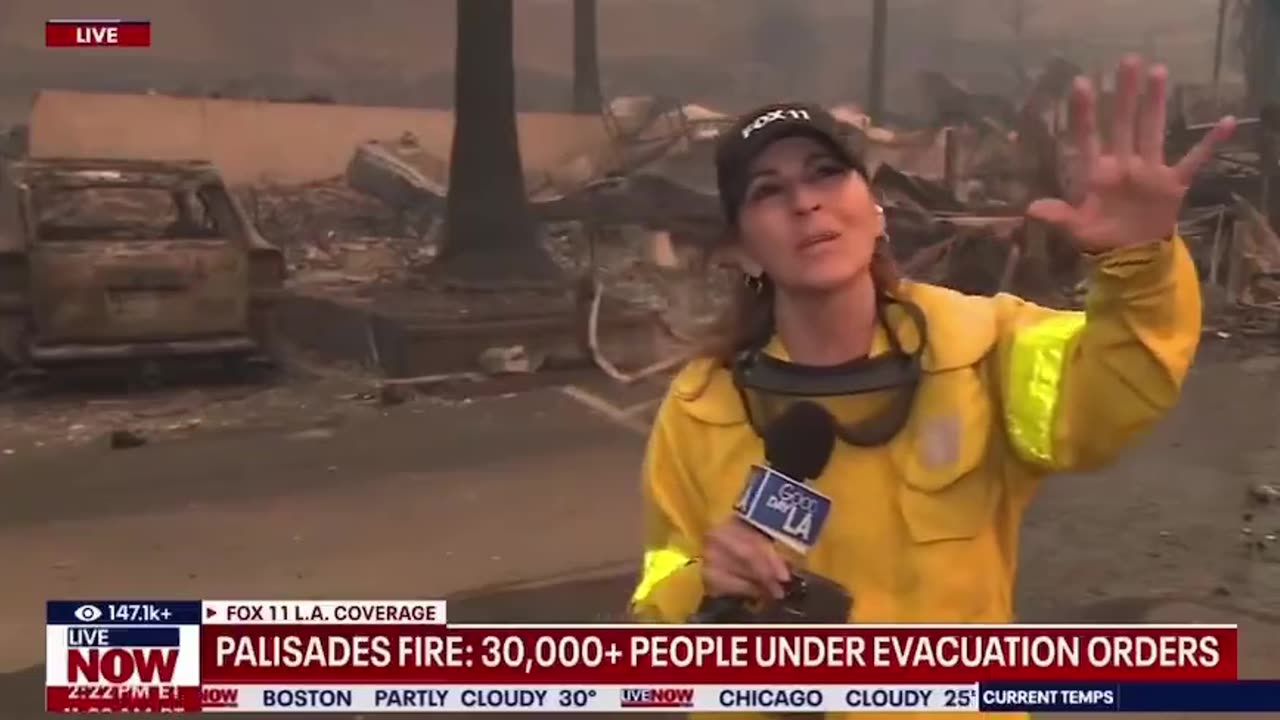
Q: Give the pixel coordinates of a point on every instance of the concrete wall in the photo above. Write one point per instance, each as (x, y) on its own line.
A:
(273, 142)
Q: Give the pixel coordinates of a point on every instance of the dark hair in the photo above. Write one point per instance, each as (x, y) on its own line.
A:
(748, 320)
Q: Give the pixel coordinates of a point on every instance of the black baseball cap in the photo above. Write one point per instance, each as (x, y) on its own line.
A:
(756, 130)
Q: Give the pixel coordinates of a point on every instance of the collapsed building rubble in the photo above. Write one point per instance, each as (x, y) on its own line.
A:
(642, 221)
(331, 234)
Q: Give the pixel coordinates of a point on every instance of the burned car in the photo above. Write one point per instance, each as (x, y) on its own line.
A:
(123, 260)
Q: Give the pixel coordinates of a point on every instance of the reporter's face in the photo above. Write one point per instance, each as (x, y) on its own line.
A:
(807, 219)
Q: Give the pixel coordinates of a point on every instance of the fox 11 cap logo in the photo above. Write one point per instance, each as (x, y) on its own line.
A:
(97, 33)
(112, 655)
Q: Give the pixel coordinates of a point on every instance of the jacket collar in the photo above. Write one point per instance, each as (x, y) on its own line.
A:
(961, 330)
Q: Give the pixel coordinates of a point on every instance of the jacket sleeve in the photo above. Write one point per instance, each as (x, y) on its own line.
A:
(670, 585)
(1077, 387)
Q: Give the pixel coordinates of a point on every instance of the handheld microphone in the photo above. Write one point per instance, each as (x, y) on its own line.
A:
(776, 503)
(800, 442)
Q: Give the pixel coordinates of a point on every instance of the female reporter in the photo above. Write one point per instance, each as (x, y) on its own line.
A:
(926, 507)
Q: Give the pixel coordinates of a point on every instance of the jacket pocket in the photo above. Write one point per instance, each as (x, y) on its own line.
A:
(945, 494)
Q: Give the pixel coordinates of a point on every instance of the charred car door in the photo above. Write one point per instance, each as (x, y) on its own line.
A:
(136, 264)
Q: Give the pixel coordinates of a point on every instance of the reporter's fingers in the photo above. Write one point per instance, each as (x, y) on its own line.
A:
(767, 565)
(720, 582)
(1055, 212)
(1153, 115)
(1124, 122)
(744, 552)
(764, 562)
(1083, 124)
(1203, 150)
(775, 567)
(724, 574)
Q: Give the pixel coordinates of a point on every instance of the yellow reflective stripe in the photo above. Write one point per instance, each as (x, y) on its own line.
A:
(1035, 383)
(658, 566)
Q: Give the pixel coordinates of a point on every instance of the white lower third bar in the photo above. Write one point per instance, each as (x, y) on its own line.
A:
(593, 698)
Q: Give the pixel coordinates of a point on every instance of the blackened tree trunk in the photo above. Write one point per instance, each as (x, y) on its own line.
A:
(1260, 34)
(1018, 23)
(586, 58)
(1218, 39)
(490, 237)
(876, 62)
(783, 41)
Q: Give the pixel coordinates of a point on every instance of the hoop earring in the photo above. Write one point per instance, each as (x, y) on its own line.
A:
(754, 283)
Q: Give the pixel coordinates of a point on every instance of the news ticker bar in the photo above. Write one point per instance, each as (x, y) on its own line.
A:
(97, 32)
(1239, 696)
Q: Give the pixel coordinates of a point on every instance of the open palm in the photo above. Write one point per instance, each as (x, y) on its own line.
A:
(1131, 196)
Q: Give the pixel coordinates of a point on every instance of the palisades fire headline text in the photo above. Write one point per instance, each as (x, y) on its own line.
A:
(722, 649)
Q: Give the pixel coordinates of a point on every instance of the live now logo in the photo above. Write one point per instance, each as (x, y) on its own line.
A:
(97, 33)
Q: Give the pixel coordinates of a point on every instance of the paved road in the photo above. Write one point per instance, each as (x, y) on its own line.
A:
(522, 508)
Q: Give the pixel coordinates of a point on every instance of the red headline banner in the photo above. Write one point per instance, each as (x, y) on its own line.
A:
(641, 654)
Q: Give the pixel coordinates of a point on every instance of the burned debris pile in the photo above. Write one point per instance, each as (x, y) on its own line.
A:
(1232, 212)
(641, 222)
(337, 237)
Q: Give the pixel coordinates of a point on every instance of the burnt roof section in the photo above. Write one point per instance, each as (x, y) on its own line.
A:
(82, 172)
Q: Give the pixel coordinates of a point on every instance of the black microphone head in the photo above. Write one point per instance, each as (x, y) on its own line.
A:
(800, 441)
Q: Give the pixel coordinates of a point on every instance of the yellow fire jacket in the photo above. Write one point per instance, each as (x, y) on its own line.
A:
(925, 528)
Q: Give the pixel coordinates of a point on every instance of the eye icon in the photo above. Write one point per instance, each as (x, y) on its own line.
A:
(88, 613)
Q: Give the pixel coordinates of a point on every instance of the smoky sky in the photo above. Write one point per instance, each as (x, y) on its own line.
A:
(728, 53)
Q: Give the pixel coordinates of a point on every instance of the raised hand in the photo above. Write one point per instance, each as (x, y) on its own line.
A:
(1131, 195)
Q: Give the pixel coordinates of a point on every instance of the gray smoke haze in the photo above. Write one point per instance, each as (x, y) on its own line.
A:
(729, 53)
